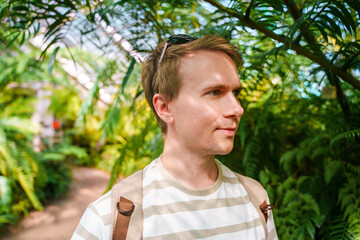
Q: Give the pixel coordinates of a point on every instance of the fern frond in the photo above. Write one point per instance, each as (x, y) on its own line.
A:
(19, 125)
(11, 162)
(350, 204)
(331, 168)
(346, 135)
(251, 149)
(25, 183)
(337, 229)
(287, 160)
(73, 150)
(5, 191)
(250, 161)
(10, 153)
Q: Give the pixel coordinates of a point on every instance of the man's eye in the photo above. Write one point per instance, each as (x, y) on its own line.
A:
(215, 92)
(236, 93)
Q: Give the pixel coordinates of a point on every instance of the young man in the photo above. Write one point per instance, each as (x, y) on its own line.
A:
(192, 87)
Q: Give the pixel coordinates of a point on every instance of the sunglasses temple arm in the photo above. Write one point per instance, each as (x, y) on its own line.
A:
(162, 55)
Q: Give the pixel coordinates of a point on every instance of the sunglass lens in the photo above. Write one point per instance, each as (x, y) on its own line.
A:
(180, 39)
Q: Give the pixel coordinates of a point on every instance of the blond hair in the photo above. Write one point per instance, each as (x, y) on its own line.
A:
(164, 79)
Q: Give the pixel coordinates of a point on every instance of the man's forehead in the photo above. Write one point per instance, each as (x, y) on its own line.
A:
(205, 57)
(209, 68)
(202, 54)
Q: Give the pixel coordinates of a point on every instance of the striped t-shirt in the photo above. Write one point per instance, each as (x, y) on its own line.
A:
(174, 211)
(223, 211)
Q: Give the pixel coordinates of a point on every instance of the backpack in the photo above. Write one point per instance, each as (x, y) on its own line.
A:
(126, 205)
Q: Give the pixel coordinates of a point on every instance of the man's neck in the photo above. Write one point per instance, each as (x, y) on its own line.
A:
(192, 169)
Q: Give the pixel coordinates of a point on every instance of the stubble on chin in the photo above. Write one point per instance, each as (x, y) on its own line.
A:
(216, 148)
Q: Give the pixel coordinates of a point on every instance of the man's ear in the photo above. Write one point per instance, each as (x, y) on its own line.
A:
(161, 105)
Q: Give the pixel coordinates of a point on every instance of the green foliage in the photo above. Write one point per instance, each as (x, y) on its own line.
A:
(304, 149)
(16, 156)
(303, 157)
(26, 178)
(350, 203)
(57, 171)
(65, 104)
(293, 205)
(130, 135)
(355, 133)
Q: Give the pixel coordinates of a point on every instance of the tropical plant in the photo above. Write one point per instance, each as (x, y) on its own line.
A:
(21, 168)
(26, 176)
(303, 147)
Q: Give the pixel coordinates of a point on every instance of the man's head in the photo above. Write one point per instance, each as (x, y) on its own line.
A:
(162, 77)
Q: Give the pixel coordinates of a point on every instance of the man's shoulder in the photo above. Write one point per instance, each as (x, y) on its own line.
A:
(123, 187)
(135, 177)
(101, 206)
(248, 181)
(253, 187)
(130, 187)
(242, 178)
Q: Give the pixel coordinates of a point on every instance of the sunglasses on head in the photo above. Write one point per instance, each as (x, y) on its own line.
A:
(174, 39)
(177, 40)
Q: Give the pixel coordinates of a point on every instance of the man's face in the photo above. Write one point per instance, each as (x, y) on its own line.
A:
(206, 111)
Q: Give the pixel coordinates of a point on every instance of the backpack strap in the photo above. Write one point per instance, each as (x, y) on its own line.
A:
(265, 207)
(126, 204)
(258, 197)
(126, 197)
(125, 208)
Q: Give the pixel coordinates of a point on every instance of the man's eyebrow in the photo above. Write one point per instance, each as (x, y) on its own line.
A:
(221, 86)
(239, 88)
(215, 86)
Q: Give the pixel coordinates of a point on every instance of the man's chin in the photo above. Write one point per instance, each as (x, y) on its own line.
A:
(225, 150)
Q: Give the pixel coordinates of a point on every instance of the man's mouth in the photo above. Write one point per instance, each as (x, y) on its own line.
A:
(228, 131)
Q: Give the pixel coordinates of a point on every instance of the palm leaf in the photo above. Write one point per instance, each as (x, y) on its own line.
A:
(52, 60)
(127, 75)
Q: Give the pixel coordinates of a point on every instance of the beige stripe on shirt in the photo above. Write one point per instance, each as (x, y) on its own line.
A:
(161, 184)
(85, 234)
(194, 205)
(191, 234)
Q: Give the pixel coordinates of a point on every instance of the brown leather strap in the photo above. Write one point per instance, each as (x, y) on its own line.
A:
(131, 189)
(264, 207)
(125, 208)
(257, 195)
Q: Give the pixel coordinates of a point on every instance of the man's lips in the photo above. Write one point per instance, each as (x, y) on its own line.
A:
(227, 131)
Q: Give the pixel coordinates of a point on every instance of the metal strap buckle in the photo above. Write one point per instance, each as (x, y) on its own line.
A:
(125, 213)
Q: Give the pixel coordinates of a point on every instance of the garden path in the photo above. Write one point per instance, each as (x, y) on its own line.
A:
(59, 219)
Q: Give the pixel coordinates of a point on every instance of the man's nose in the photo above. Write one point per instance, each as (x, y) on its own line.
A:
(233, 107)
